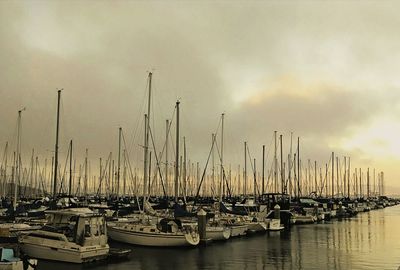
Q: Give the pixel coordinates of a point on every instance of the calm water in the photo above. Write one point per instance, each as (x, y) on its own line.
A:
(368, 241)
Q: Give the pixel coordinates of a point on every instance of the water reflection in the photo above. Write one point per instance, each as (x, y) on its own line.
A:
(368, 241)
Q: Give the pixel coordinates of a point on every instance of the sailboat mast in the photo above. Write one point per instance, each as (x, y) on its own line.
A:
(298, 167)
(315, 176)
(177, 154)
(56, 147)
(282, 171)
(85, 184)
(263, 169)
(146, 138)
(222, 159)
(275, 164)
(348, 179)
(254, 181)
(5, 171)
(333, 171)
(245, 170)
(166, 157)
(17, 161)
(367, 183)
(70, 169)
(184, 184)
(345, 176)
(119, 161)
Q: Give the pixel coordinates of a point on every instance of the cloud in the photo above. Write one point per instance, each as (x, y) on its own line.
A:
(322, 70)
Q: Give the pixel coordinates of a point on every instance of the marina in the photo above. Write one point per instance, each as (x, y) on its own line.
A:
(215, 135)
(318, 246)
(59, 224)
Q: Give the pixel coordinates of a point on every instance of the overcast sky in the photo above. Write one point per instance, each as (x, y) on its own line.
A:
(326, 71)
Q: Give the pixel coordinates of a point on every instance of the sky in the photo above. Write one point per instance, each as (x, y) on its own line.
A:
(325, 71)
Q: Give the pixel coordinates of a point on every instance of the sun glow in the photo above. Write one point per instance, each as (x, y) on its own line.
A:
(378, 139)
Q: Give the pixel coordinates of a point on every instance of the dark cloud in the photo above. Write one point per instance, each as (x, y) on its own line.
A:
(203, 54)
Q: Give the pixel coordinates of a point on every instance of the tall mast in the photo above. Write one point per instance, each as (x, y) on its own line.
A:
(213, 164)
(119, 161)
(5, 170)
(295, 190)
(333, 166)
(309, 176)
(37, 184)
(289, 174)
(282, 171)
(367, 183)
(275, 165)
(31, 184)
(146, 138)
(166, 157)
(326, 180)
(149, 182)
(361, 195)
(255, 181)
(337, 174)
(298, 167)
(124, 173)
(315, 176)
(100, 177)
(56, 148)
(263, 169)
(222, 159)
(184, 168)
(360, 185)
(290, 164)
(344, 179)
(245, 169)
(177, 154)
(374, 184)
(198, 176)
(110, 187)
(348, 179)
(17, 161)
(70, 169)
(85, 184)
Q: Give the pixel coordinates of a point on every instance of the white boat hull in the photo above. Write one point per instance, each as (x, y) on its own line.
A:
(218, 233)
(65, 254)
(152, 239)
(257, 226)
(19, 265)
(300, 219)
(238, 230)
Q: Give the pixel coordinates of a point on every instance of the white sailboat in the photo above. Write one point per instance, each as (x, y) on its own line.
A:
(157, 233)
(151, 230)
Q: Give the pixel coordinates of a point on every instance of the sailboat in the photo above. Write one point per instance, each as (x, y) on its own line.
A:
(150, 230)
(157, 232)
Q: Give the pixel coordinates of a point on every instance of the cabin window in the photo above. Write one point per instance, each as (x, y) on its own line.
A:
(94, 227)
(141, 229)
(152, 230)
(102, 231)
(87, 230)
(50, 237)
